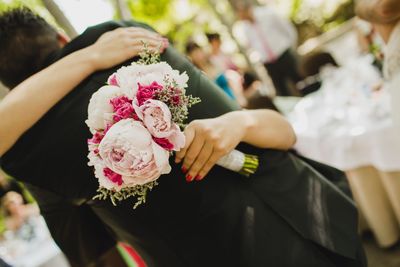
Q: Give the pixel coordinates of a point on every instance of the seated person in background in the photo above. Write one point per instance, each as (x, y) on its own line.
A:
(311, 66)
(200, 59)
(217, 57)
(17, 213)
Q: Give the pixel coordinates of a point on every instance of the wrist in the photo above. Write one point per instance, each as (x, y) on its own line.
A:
(89, 58)
(247, 121)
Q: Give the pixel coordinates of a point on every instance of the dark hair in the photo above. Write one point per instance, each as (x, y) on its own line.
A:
(190, 46)
(213, 36)
(312, 63)
(26, 40)
(258, 101)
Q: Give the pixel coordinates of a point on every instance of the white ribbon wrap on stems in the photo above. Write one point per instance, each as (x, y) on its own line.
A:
(233, 161)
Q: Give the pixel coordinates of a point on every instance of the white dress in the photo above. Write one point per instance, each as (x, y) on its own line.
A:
(391, 71)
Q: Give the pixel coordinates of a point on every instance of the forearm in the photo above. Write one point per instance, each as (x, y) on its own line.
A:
(378, 11)
(266, 129)
(30, 100)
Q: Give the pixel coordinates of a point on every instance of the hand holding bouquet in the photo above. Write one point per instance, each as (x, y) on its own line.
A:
(136, 122)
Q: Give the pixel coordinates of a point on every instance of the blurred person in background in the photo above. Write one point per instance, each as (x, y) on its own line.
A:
(369, 41)
(274, 39)
(202, 61)
(7, 184)
(385, 17)
(217, 56)
(17, 213)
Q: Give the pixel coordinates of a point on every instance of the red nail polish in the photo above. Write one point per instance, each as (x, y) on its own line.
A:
(184, 170)
(198, 178)
(188, 178)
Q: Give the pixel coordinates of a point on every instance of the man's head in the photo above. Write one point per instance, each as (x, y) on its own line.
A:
(243, 9)
(195, 53)
(214, 40)
(26, 40)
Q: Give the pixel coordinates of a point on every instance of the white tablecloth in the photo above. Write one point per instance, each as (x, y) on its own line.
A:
(347, 124)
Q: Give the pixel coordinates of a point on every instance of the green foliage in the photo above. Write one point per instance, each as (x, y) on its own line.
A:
(167, 18)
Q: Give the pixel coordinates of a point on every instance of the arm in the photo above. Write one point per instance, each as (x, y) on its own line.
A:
(378, 11)
(209, 139)
(30, 100)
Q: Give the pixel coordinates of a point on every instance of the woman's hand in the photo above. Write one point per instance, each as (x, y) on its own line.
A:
(210, 139)
(121, 44)
(207, 141)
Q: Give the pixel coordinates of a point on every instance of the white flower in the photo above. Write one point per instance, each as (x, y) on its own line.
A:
(128, 77)
(100, 109)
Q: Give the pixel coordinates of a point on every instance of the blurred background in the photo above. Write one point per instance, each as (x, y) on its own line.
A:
(317, 64)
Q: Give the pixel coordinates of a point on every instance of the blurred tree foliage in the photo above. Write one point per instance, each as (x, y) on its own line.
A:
(173, 19)
(314, 19)
(310, 17)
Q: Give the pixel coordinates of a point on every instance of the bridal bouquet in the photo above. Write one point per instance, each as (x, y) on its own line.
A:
(136, 122)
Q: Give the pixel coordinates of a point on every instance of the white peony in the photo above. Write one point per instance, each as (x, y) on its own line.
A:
(100, 109)
(128, 77)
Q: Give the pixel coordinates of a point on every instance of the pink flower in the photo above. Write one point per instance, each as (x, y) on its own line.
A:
(164, 143)
(112, 176)
(176, 100)
(119, 102)
(129, 150)
(157, 118)
(112, 80)
(96, 139)
(146, 92)
(123, 108)
(124, 112)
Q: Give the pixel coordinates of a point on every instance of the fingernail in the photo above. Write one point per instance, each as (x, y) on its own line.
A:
(198, 178)
(184, 170)
(165, 44)
(188, 178)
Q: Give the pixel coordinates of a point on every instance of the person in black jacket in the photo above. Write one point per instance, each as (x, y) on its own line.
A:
(286, 214)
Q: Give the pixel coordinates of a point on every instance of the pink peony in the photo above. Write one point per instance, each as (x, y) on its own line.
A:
(112, 176)
(120, 101)
(112, 80)
(164, 143)
(157, 118)
(129, 150)
(96, 139)
(123, 108)
(146, 92)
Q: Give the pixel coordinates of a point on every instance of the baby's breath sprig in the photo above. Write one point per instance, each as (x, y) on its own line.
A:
(138, 191)
(176, 100)
(148, 56)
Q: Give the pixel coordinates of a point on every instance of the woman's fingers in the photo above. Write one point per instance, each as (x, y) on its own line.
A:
(201, 159)
(189, 136)
(192, 152)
